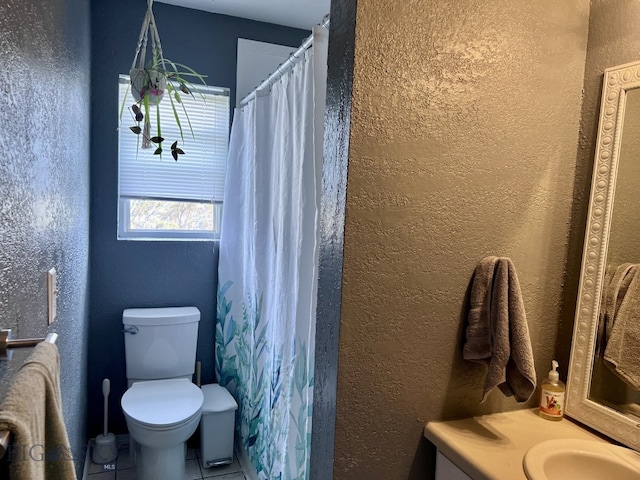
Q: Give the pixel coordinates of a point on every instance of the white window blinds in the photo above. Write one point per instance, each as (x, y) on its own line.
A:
(198, 175)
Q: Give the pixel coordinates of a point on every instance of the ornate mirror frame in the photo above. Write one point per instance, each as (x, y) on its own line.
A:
(617, 82)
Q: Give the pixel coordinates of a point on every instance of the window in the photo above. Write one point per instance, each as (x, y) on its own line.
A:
(164, 199)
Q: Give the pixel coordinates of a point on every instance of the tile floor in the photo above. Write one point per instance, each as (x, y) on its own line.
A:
(122, 469)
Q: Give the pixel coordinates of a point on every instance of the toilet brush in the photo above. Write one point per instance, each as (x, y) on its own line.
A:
(104, 449)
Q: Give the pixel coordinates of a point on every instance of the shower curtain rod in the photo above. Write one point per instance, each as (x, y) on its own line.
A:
(285, 65)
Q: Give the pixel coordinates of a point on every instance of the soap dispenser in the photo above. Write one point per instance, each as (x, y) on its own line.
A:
(552, 395)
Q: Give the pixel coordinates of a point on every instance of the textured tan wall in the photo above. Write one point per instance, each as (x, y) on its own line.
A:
(463, 144)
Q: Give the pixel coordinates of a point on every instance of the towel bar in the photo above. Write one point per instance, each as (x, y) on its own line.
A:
(5, 344)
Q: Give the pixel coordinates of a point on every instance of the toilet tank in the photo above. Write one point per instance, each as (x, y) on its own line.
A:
(164, 343)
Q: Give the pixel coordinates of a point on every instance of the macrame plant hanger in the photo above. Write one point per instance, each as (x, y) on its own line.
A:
(138, 64)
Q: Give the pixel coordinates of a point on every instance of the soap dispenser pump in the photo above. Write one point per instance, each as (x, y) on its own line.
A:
(552, 395)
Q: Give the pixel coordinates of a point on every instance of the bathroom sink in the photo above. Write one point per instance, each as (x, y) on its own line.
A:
(568, 458)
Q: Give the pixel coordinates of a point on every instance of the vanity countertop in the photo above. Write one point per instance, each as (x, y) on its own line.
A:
(491, 447)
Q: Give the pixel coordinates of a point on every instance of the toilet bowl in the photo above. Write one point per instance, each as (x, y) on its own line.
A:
(161, 415)
(162, 407)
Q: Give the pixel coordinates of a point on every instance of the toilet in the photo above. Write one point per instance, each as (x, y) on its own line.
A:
(162, 406)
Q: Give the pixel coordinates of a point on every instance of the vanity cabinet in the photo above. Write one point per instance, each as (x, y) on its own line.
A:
(492, 447)
(447, 470)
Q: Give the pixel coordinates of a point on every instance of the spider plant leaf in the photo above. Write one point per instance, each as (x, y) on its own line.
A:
(179, 151)
(188, 120)
(158, 151)
(146, 136)
(175, 116)
(136, 129)
(193, 89)
(159, 133)
(177, 97)
(157, 139)
(174, 145)
(146, 105)
(124, 100)
(186, 87)
(189, 71)
(174, 154)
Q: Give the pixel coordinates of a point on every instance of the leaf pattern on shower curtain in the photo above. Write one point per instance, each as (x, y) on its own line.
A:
(302, 385)
(248, 367)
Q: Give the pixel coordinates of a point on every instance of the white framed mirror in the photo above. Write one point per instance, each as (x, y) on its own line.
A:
(601, 393)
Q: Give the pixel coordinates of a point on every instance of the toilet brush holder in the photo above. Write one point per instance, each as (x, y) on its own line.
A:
(104, 448)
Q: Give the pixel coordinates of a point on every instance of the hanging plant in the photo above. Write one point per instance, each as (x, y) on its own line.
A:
(148, 84)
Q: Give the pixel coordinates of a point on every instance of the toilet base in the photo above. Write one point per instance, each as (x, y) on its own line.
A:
(154, 463)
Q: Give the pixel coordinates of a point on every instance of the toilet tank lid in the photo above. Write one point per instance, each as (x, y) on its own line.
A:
(160, 316)
(217, 399)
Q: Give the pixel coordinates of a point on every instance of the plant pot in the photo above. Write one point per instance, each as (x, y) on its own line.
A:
(145, 81)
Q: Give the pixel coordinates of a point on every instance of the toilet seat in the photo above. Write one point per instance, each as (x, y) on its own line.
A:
(162, 404)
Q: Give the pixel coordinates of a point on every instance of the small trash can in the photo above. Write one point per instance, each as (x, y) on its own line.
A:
(217, 426)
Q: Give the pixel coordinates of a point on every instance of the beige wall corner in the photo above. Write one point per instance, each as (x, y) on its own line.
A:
(464, 134)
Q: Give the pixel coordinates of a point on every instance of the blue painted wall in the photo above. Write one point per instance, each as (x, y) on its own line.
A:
(44, 188)
(126, 274)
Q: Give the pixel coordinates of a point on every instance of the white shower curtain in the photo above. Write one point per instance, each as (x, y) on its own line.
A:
(267, 274)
